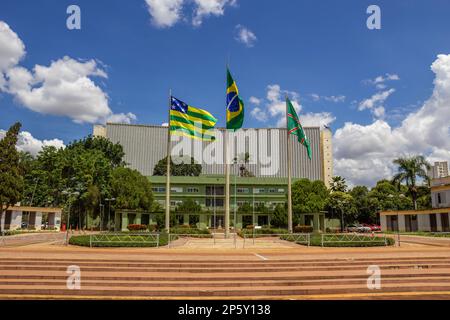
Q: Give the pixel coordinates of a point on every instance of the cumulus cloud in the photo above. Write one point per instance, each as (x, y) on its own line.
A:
(165, 13)
(206, 8)
(245, 36)
(126, 118)
(334, 99)
(64, 88)
(12, 49)
(375, 103)
(380, 81)
(254, 100)
(27, 143)
(364, 154)
(275, 108)
(259, 114)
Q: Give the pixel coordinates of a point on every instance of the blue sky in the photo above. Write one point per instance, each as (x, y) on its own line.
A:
(320, 51)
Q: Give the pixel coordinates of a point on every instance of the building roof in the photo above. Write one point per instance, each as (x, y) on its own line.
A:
(34, 209)
(414, 212)
(219, 180)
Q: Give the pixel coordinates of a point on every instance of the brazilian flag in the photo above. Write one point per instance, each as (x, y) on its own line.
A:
(235, 105)
(191, 122)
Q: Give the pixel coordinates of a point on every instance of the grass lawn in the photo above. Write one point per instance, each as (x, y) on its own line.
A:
(426, 234)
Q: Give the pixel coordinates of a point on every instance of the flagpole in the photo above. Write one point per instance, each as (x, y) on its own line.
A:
(289, 155)
(168, 171)
(227, 187)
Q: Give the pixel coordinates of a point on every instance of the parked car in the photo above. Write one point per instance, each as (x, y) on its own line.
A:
(352, 228)
(373, 227)
(363, 229)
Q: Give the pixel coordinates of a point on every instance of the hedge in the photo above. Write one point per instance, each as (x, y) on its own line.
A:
(84, 241)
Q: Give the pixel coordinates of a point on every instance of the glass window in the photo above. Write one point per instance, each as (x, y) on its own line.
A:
(193, 190)
(243, 190)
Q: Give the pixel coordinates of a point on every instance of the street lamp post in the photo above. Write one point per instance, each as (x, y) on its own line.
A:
(69, 194)
(109, 207)
(102, 210)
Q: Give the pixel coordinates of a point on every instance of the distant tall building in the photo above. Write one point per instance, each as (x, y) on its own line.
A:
(327, 156)
(439, 170)
(145, 145)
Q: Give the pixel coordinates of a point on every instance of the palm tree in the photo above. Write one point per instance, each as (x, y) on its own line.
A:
(409, 169)
(339, 184)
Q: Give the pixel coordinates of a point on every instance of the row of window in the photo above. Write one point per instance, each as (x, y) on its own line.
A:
(218, 191)
(220, 203)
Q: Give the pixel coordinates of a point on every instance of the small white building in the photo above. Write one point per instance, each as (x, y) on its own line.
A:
(432, 220)
(31, 218)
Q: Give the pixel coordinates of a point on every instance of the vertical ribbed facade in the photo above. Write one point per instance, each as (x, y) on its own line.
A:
(144, 146)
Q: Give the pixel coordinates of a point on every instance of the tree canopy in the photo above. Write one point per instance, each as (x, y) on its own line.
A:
(179, 167)
(11, 172)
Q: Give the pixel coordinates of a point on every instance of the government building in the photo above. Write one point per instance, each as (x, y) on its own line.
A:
(266, 161)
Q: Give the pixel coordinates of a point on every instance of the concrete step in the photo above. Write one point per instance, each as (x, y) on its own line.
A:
(221, 284)
(443, 288)
(253, 264)
(241, 269)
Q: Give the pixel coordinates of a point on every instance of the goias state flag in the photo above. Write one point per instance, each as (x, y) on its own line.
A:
(295, 127)
(235, 105)
(191, 122)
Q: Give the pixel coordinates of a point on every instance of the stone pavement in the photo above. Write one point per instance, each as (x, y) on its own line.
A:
(40, 272)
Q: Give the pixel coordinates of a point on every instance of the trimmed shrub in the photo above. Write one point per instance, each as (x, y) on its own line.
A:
(303, 229)
(137, 227)
(84, 241)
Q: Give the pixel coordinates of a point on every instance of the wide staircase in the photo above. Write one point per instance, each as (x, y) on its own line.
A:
(402, 277)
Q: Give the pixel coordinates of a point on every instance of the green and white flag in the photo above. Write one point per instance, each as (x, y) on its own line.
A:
(295, 127)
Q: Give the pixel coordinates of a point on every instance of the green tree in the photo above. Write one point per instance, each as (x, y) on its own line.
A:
(339, 184)
(179, 167)
(409, 171)
(343, 206)
(131, 190)
(279, 218)
(189, 206)
(365, 210)
(112, 151)
(11, 180)
(309, 197)
(385, 196)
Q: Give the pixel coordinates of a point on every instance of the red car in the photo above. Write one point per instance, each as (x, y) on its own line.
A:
(373, 227)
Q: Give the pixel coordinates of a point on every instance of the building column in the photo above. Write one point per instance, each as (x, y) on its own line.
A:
(16, 220)
(423, 222)
(383, 223)
(2, 221)
(185, 219)
(316, 223)
(124, 221)
(401, 223)
(138, 218)
(438, 223)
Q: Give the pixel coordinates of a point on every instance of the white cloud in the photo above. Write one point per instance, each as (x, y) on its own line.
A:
(375, 103)
(335, 99)
(259, 114)
(380, 81)
(126, 118)
(12, 49)
(65, 88)
(364, 154)
(245, 36)
(254, 100)
(165, 13)
(27, 143)
(206, 8)
(275, 108)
